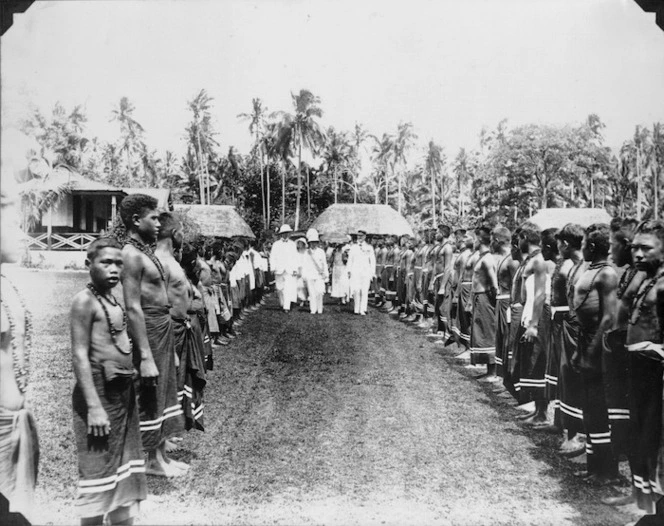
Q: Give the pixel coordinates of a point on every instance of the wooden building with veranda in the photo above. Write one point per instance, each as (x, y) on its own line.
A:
(86, 210)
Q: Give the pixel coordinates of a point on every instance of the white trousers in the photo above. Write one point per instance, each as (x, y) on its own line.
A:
(286, 285)
(316, 288)
(361, 298)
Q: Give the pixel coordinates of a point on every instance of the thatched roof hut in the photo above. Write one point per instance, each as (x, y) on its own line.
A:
(559, 217)
(341, 219)
(217, 220)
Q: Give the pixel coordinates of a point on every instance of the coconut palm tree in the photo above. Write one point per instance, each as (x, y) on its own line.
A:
(359, 138)
(337, 156)
(402, 143)
(382, 153)
(461, 171)
(302, 131)
(131, 135)
(257, 128)
(434, 165)
(200, 135)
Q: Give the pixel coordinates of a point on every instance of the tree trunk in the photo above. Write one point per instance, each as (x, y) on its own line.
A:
(260, 160)
(299, 182)
(200, 167)
(267, 198)
(433, 199)
(592, 190)
(387, 188)
(460, 199)
(399, 193)
(638, 184)
(655, 183)
(308, 194)
(442, 197)
(283, 194)
(336, 185)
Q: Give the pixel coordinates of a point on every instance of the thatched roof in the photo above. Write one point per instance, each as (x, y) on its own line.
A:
(340, 219)
(559, 217)
(217, 220)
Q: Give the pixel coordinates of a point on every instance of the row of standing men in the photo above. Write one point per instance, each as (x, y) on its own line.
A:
(569, 320)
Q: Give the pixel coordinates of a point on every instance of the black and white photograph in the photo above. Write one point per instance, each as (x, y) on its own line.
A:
(332, 262)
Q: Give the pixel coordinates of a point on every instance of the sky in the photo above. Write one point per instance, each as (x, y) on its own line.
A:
(449, 67)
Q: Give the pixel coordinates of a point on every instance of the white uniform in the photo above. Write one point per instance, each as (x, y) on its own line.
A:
(283, 262)
(315, 272)
(361, 268)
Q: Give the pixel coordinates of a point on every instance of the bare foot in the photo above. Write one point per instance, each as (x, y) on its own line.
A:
(171, 445)
(158, 469)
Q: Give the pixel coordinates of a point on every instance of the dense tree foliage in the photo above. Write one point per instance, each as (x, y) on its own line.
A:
(294, 160)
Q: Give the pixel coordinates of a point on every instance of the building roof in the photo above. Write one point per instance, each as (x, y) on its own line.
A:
(341, 219)
(217, 220)
(559, 217)
(61, 176)
(162, 195)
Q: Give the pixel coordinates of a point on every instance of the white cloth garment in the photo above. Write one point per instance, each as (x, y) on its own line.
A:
(315, 273)
(284, 264)
(361, 268)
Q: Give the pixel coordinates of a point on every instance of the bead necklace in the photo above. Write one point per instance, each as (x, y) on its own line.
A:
(625, 281)
(593, 266)
(20, 371)
(523, 265)
(640, 298)
(147, 250)
(111, 328)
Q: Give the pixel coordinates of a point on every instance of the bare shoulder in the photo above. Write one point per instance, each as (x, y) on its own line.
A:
(83, 303)
(131, 256)
(608, 276)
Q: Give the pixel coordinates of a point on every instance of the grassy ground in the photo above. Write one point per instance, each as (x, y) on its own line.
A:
(332, 419)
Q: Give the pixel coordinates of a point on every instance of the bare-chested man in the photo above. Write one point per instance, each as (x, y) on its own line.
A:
(645, 344)
(389, 278)
(405, 258)
(442, 283)
(461, 296)
(18, 468)
(595, 309)
(506, 267)
(564, 336)
(413, 280)
(530, 359)
(111, 464)
(484, 290)
(151, 329)
(381, 254)
(188, 343)
(427, 276)
(514, 314)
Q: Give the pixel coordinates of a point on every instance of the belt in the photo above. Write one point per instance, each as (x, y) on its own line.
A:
(561, 308)
(502, 297)
(418, 268)
(646, 346)
(466, 282)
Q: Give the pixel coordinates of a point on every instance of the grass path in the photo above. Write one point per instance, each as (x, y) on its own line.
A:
(332, 419)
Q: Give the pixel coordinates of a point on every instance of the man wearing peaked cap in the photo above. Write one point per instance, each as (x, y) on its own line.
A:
(283, 262)
(361, 267)
(315, 271)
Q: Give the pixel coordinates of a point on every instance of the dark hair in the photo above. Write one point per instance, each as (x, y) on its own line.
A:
(502, 235)
(99, 244)
(188, 261)
(469, 241)
(169, 225)
(654, 227)
(445, 230)
(549, 240)
(135, 204)
(483, 234)
(530, 233)
(573, 234)
(598, 234)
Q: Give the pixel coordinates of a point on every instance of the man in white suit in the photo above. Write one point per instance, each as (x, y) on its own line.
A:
(361, 268)
(283, 262)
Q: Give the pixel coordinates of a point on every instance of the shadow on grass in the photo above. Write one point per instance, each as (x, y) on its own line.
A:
(572, 491)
